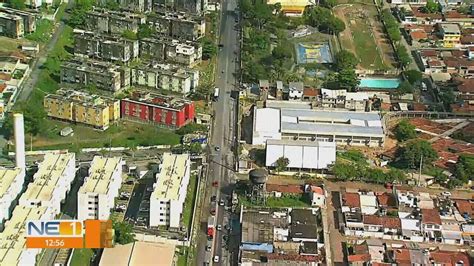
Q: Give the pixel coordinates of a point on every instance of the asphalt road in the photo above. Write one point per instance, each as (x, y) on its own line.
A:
(223, 136)
(32, 79)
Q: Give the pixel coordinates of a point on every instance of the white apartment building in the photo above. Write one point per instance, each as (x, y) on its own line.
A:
(51, 183)
(11, 183)
(12, 239)
(167, 199)
(96, 196)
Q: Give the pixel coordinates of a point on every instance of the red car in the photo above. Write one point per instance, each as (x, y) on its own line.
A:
(215, 183)
(213, 212)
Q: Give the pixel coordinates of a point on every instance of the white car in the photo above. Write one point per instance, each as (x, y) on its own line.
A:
(446, 193)
(219, 227)
(216, 258)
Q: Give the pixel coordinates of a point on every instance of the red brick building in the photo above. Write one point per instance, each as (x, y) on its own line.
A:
(157, 109)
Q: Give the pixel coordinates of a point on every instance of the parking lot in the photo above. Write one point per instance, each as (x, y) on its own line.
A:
(139, 206)
(123, 200)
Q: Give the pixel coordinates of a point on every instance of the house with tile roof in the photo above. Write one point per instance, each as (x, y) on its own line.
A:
(431, 224)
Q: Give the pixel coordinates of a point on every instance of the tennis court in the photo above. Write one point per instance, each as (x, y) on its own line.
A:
(313, 53)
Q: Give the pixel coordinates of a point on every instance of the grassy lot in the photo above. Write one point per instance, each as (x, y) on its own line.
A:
(9, 44)
(81, 256)
(189, 203)
(182, 256)
(365, 46)
(359, 36)
(124, 134)
(44, 28)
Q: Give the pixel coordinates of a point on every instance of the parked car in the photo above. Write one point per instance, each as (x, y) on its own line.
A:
(216, 259)
(213, 198)
(215, 183)
(219, 227)
(221, 202)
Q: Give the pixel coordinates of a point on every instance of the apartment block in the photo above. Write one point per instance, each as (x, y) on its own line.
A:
(11, 25)
(163, 49)
(165, 77)
(96, 197)
(11, 184)
(177, 25)
(167, 199)
(450, 34)
(158, 109)
(108, 21)
(29, 19)
(79, 107)
(12, 239)
(104, 47)
(132, 5)
(103, 75)
(189, 6)
(51, 182)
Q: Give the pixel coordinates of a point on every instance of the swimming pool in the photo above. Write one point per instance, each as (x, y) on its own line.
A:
(379, 83)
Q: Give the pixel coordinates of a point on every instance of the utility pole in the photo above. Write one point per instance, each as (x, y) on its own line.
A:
(419, 175)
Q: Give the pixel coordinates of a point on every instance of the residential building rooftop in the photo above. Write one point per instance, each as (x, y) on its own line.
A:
(45, 181)
(7, 176)
(173, 170)
(101, 171)
(155, 99)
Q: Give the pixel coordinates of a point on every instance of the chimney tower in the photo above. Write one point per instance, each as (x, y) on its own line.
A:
(19, 131)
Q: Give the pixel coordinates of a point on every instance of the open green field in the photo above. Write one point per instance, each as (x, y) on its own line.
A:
(124, 134)
(364, 36)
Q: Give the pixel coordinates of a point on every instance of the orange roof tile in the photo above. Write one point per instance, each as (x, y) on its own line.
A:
(450, 258)
(385, 221)
(418, 35)
(465, 206)
(430, 216)
(351, 199)
(402, 256)
(359, 258)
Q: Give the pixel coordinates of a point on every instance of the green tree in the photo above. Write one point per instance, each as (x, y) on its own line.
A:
(128, 34)
(17, 4)
(405, 87)
(145, 31)
(191, 128)
(78, 13)
(464, 170)
(405, 131)
(413, 76)
(281, 164)
(195, 148)
(281, 52)
(447, 97)
(347, 78)
(209, 48)
(328, 3)
(123, 233)
(345, 59)
(344, 171)
(396, 175)
(431, 7)
(335, 25)
(403, 56)
(440, 177)
(415, 150)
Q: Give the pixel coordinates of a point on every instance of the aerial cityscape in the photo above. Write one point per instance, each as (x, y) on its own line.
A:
(237, 132)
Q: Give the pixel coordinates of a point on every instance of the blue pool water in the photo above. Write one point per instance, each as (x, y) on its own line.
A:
(379, 83)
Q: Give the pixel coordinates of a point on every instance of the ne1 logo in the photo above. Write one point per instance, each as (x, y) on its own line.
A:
(62, 228)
